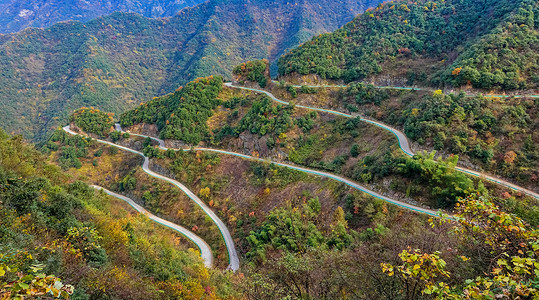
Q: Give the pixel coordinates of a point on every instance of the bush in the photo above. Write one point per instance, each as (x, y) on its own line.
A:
(92, 120)
(254, 71)
(115, 136)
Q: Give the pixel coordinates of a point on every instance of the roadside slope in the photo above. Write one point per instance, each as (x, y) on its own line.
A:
(403, 141)
(232, 253)
(205, 251)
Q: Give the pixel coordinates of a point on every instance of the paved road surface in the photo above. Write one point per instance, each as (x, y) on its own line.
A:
(403, 141)
(232, 253)
(205, 250)
(408, 89)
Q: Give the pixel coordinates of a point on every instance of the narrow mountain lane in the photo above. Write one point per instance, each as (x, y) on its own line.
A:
(410, 89)
(403, 140)
(306, 170)
(205, 250)
(232, 253)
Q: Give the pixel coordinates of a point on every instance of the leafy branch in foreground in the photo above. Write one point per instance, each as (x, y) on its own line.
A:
(509, 244)
(15, 284)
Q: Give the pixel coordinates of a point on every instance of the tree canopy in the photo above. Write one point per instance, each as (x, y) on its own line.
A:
(92, 120)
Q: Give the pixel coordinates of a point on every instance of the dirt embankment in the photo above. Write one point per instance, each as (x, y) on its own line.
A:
(144, 129)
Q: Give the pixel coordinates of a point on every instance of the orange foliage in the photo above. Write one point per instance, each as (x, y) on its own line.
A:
(509, 157)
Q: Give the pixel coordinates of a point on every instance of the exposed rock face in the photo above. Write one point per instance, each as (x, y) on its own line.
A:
(177, 144)
(251, 144)
(145, 129)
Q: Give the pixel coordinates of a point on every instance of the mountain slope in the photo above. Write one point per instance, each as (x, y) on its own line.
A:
(55, 225)
(17, 15)
(488, 44)
(117, 61)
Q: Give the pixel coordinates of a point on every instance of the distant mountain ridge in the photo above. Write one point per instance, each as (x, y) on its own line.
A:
(117, 61)
(16, 15)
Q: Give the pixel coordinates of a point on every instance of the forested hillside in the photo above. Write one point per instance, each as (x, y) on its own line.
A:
(490, 44)
(16, 15)
(297, 233)
(294, 192)
(115, 62)
(86, 243)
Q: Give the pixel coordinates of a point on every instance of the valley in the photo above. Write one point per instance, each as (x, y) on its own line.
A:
(270, 150)
(116, 61)
(161, 145)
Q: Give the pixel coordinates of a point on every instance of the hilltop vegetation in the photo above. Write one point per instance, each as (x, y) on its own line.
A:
(115, 62)
(92, 120)
(488, 44)
(256, 71)
(181, 115)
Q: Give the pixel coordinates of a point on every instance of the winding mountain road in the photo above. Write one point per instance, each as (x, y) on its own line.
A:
(402, 139)
(409, 89)
(205, 250)
(306, 170)
(232, 253)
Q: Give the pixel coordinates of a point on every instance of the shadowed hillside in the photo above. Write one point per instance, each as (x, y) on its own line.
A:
(115, 62)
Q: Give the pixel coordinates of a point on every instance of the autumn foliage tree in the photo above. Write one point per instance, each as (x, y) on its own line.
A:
(253, 71)
(92, 120)
(15, 284)
(505, 243)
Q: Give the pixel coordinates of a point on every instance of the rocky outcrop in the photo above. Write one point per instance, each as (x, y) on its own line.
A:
(251, 144)
(144, 129)
(177, 144)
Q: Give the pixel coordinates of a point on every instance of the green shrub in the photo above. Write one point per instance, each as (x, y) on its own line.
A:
(92, 120)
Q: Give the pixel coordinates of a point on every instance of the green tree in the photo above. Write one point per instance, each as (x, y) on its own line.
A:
(354, 151)
(92, 120)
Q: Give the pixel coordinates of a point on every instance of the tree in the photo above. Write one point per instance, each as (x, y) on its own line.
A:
(115, 136)
(445, 182)
(254, 71)
(354, 151)
(92, 120)
(509, 157)
(510, 245)
(419, 273)
(205, 192)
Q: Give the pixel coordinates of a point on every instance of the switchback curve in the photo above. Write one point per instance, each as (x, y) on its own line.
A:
(306, 170)
(232, 253)
(403, 141)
